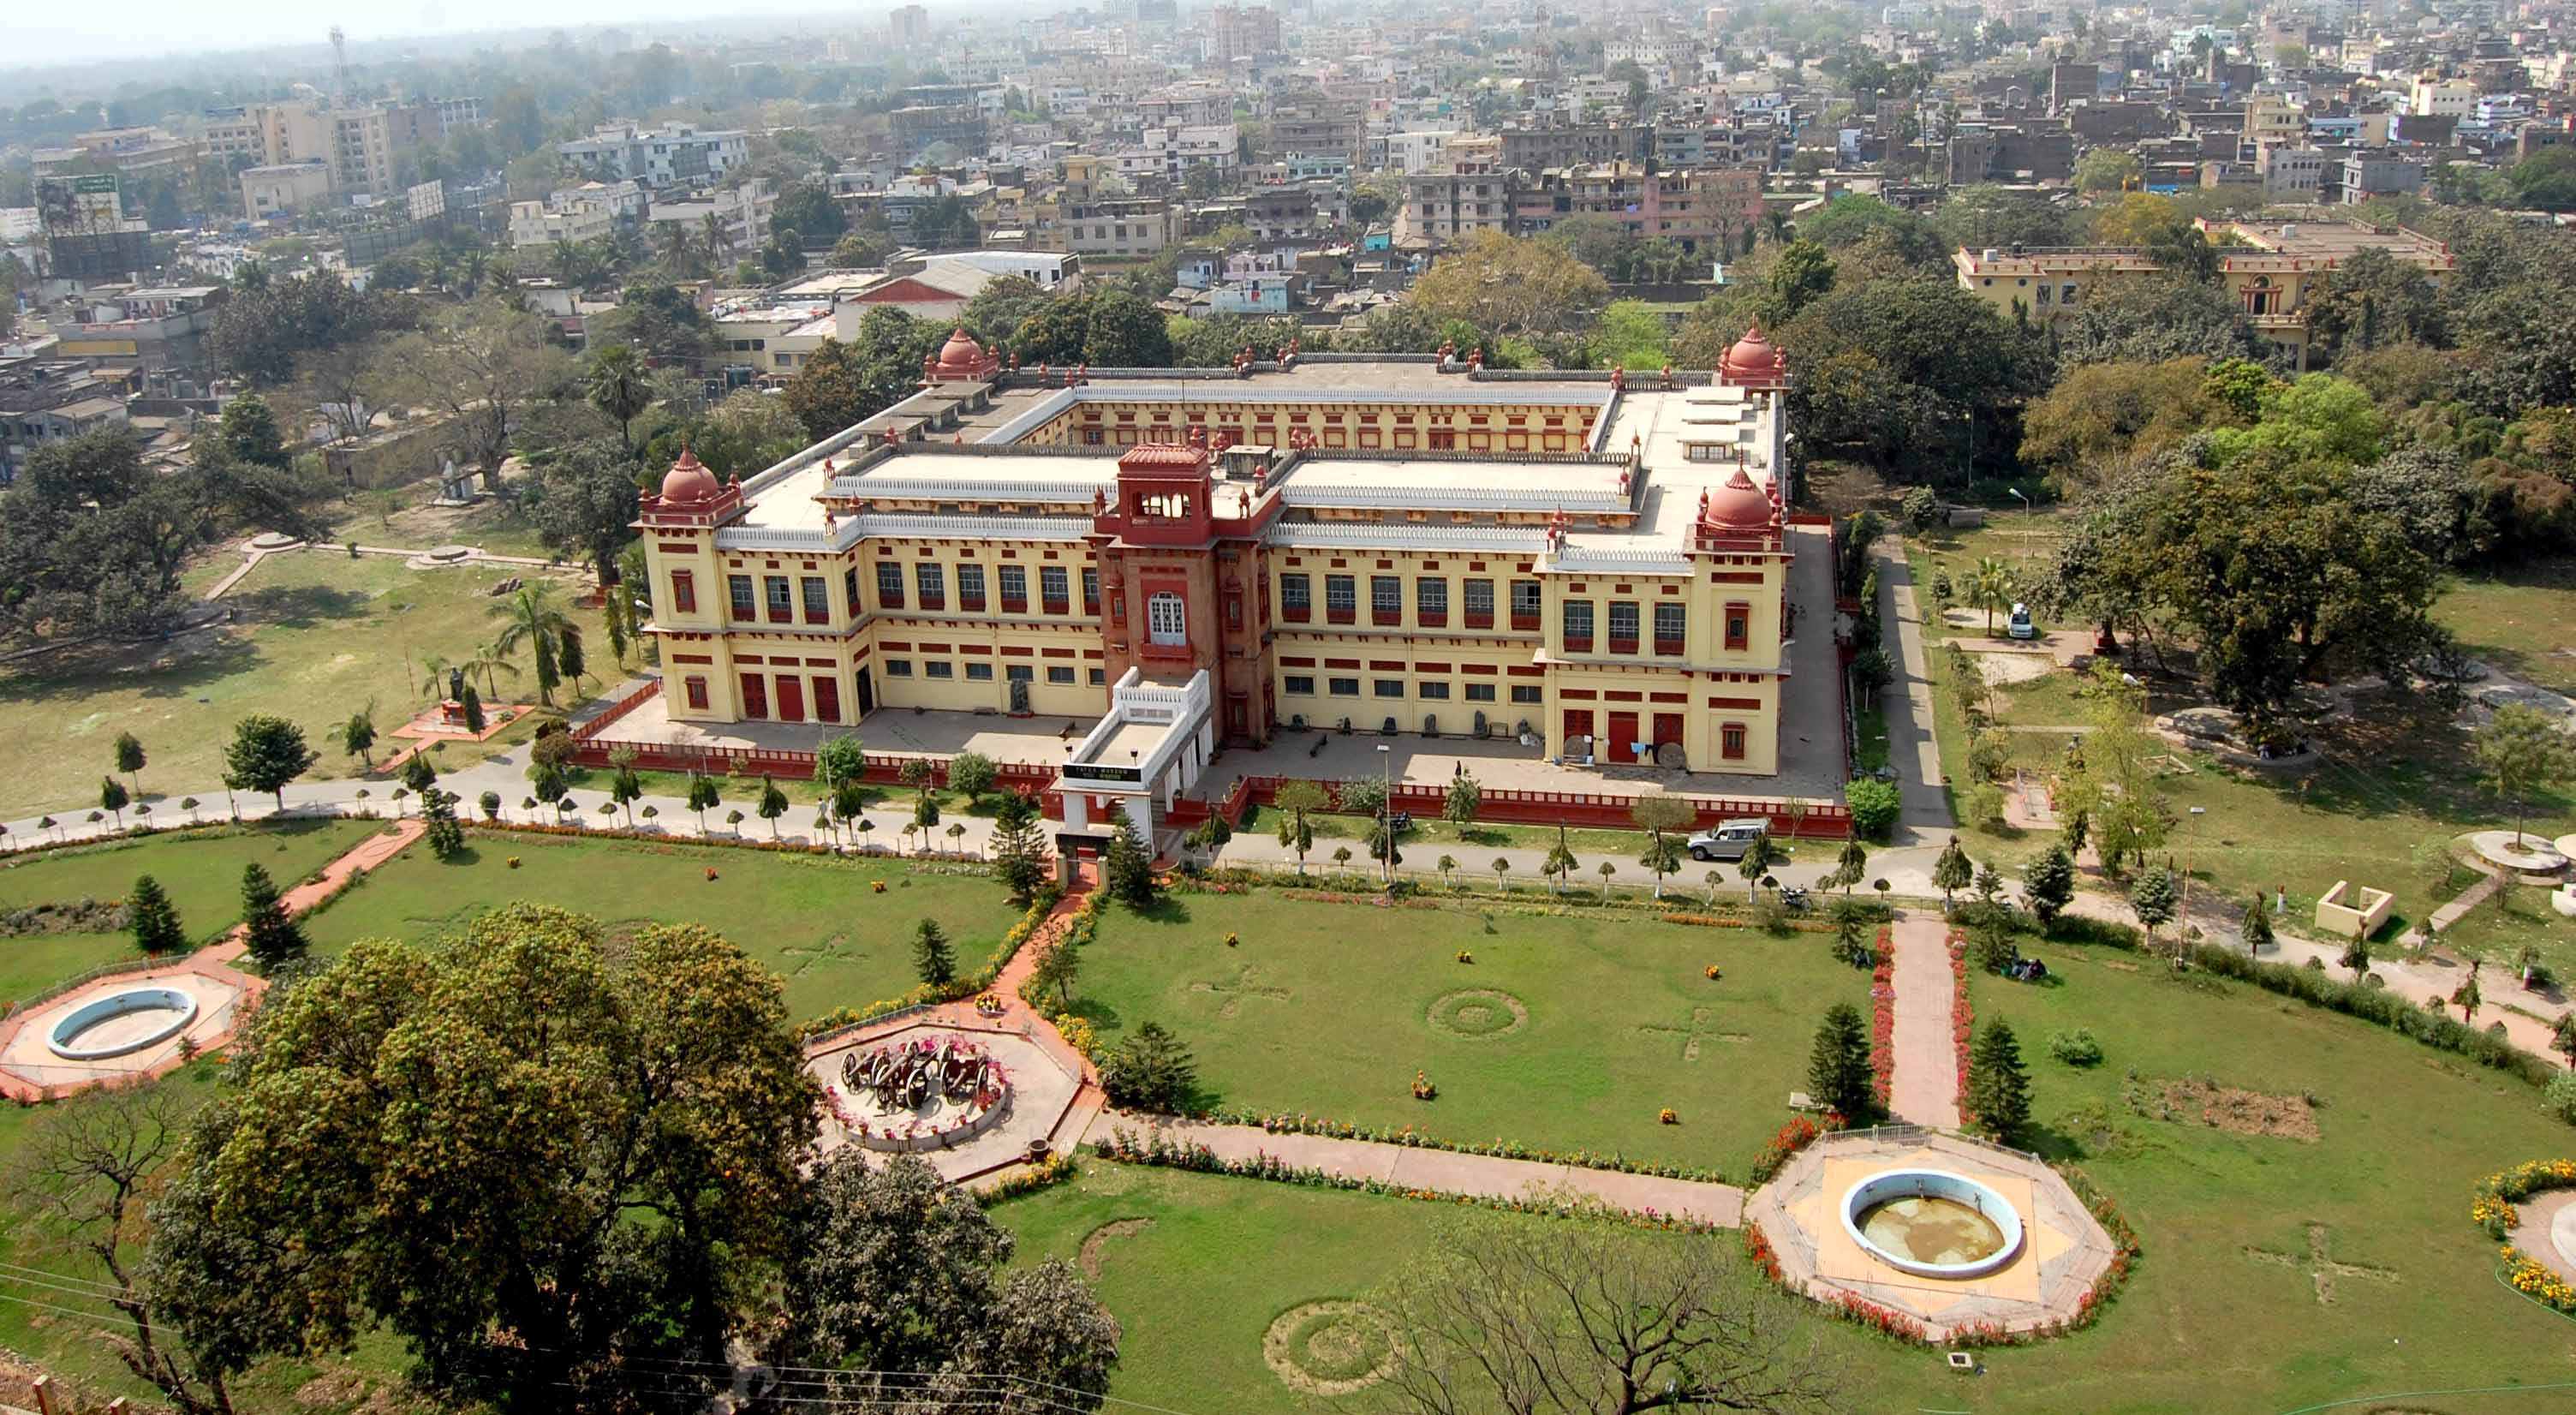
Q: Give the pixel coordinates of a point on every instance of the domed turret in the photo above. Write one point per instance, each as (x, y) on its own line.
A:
(961, 360)
(1737, 505)
(689, 482)
(1753, 360)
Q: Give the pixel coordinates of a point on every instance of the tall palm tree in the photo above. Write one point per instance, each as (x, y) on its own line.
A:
(719, 245)
(1990, 587)
(532, 617)
(489, 660)
(1775, 226)
(621, 387)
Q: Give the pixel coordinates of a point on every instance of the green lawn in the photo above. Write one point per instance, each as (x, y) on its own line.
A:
(2498, 929)
(318, 637)
(2209, 1322)
(1430, 837)
(817, 921)
(2403, 1131)
(202, 873)
(2516, 619)
(1220, 1259)
(1328, 1008)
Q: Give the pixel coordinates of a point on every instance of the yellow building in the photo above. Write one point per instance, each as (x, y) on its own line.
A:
(2272, 269)
(1397, 543)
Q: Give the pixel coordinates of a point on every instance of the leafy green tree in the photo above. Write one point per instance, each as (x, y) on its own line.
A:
(1559, 865)
(1129, 866)
(2048, 885)
(1149, 1071)
(1838, 1074)
(1998, 1096)
(130, 758)
(2258, 925)
(932, 958)
(113, 799)
(1952, 871)
(703, 797)
(1851, 868)
(418, 772)
(532, 616)
(618, 384)
(446, 838)
(2106, 169)
(899, 1290)
(1760, 854)
(974, 774)
(1874, 805)
(1295, 802)
(2154, 897)
(1057, 970)
(1659, 817)
(1459, 804)
(2519, 751)
(1019, 849)
(1125, 331)
(358, 735)
(153, 918)
(265, 754)
(626, 788)
(773, 804)
(566, 1173)
(2356, 955)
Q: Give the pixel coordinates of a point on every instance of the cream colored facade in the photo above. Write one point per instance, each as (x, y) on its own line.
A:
(1600, 567)
(2272, 269)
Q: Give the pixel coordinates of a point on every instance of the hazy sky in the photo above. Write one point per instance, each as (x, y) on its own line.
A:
(41, 32)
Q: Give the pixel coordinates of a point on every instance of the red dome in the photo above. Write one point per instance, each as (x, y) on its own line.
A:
(689, 480)
(1752, 359)
(1739, 505)
(961, 353)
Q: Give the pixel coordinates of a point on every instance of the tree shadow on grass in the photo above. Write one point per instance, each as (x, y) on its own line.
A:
(1099, 1014)
(1167, 908)
(302, 606)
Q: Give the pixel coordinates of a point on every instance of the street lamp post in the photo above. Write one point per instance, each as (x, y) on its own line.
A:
(1386, 812)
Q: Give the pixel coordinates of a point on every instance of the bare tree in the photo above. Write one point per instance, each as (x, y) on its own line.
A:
(478, 367)
(83, 1177)
(1589, 1319)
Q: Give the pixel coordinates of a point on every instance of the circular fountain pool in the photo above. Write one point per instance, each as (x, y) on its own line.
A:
(121, 1022)
(1932, 1223)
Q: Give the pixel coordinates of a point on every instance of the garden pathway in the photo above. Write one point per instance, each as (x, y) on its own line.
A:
(365, 856)
(1924, 818)
(1925, 1088)
(2548, 1231)
(1445, 1170)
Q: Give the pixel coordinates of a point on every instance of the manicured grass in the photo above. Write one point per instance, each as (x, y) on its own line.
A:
(816, 920)
(2498, 929)
(2205, 1324)
(318, 637)
(1327, 1009)
(1430, 837)
(2404, 1131)
(2516, 619)
(1194, 1291)
(201, 871)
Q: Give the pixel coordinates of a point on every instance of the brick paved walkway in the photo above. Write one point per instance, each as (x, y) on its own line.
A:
(1925, 1089)
(1721, 1204)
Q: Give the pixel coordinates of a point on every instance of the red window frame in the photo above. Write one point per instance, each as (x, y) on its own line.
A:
(1739, 625)
(684, 593)
(827, 698)
(755, 697)
(1731, 740)
(696, 686)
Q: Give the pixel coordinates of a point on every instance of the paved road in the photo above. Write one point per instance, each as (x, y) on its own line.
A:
(1911, 747)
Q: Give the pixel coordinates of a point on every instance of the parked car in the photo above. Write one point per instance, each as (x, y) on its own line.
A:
(1727, 840)
(2019, 626)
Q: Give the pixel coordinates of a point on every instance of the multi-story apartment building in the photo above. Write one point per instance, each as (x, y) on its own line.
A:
(1134, 228)
(1241, 32)
(658, 157)
(2272, 269)
(741, 213)
(287, 187)
(48, 400)
(1401, 546)
(1575, 145)
(909, 24)
(1698, 207)
(2291, 174)
(1442, 208)
(584, 213)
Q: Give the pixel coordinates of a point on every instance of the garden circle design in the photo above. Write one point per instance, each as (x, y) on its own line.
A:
(1330, 1348)
(1478, 1014)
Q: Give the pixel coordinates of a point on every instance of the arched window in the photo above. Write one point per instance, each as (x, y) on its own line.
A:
(1165, 623)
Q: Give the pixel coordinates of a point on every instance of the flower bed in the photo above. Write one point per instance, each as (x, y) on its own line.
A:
(1126, 1148)
(1283, 1123)
(1882, 1019)
(2492, 1207)
(1963, 1016)
(2530, 1277)
(1045, 1174)
(1792, 1138)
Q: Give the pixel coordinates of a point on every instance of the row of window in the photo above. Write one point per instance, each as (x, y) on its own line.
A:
(1431, 691)
(781, 599)
(979, 671)
(1671, 626)
(1386, 600)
